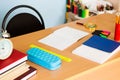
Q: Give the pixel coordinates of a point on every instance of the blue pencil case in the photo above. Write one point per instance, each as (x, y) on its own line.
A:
(44, 59)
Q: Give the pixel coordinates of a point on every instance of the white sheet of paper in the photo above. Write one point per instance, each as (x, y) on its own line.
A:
(63, 37)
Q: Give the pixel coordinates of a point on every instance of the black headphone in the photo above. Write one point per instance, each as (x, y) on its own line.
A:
(4, 31)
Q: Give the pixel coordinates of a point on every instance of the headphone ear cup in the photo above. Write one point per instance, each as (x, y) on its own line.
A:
(5, 34)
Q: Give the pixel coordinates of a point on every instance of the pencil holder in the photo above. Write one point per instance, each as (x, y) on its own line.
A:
(117, 32)
(85, 13)
(80, 12)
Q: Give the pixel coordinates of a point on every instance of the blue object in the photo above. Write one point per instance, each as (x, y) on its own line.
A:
(44, 59)
(103, 44)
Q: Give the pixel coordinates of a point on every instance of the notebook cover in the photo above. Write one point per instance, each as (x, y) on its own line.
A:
(103, 44)
(16, 58)
(28, 74)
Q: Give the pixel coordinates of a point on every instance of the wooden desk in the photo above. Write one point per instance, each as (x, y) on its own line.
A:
(78, 64)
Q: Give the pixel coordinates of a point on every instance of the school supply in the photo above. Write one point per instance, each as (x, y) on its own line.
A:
(117, 27)
(97, 49)
(63, 37)
(32, 71)
(101, 33)
(44, 59)
(15, 59)
(50, 52)
(15, 67)
(90, 26)
(15, 72)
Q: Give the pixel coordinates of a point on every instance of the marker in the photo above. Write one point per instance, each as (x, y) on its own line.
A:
(103, 36)
(58, 55)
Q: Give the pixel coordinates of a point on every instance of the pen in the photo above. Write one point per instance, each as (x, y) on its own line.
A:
(58, 55)
(79, 23)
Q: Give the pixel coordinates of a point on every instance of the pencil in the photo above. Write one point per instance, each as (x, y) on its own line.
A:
(118, 18)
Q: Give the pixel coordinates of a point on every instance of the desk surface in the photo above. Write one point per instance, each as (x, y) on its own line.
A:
(78, 64)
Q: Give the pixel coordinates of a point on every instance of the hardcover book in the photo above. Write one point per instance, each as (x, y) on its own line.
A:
(15, 59)
(15, 72)
(32, 71)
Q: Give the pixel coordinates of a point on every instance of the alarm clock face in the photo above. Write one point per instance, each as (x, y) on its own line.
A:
(6, 48)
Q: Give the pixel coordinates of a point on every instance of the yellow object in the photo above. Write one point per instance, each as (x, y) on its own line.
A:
(68, 6)
(87, 12)
(90, 26)
(67, 15)
(58, 55)
(118, 18)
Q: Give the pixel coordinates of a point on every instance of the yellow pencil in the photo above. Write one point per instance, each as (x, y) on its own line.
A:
(117, 18)
(60, 56)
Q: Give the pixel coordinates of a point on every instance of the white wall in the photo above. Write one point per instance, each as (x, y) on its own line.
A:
(52, 11)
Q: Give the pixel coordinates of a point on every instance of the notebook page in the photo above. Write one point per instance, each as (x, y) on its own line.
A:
(63, 37)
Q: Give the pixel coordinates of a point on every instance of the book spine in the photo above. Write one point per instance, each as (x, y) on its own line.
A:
(27, 74)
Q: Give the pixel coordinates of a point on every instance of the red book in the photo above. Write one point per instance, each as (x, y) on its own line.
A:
(32, 71)
(15, 59)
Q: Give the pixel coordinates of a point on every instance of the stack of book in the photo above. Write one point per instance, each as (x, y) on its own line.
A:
(15, 67)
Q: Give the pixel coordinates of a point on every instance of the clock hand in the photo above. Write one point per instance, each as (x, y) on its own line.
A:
(3, 47)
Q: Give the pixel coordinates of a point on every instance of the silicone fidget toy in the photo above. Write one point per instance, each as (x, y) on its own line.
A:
(43, 58)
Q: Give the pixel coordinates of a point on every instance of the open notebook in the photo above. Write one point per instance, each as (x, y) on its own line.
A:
(63, 37)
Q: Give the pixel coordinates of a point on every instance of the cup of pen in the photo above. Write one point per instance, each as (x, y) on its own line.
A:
(117, 28)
